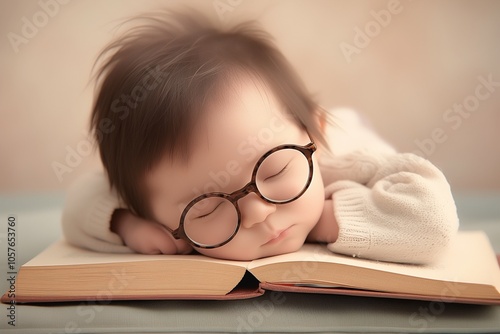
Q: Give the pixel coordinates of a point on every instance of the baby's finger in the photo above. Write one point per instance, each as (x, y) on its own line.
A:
(183, 247)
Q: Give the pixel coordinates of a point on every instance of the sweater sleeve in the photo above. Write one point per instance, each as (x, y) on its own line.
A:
(389, 206)
(87, 212)
(396, 208)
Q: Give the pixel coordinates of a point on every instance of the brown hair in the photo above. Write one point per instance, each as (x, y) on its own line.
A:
(152, 84)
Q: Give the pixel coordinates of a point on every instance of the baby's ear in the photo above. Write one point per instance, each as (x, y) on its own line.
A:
(321, 119)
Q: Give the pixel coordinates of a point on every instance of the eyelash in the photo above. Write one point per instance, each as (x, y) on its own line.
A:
(208, 214)
(280, 172)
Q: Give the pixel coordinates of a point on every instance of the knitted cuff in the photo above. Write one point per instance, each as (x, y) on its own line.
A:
(349, 207)
(99, 219)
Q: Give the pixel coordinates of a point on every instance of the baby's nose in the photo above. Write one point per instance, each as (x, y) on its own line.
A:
(254, 210)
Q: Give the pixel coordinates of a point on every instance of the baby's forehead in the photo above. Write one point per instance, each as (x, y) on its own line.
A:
(248, 110)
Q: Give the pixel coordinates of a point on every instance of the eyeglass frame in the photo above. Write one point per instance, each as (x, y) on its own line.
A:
(250, 187)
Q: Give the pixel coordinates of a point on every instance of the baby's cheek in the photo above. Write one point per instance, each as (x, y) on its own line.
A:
(313, 200)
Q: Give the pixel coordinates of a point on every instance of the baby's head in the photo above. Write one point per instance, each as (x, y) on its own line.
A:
(184, 114)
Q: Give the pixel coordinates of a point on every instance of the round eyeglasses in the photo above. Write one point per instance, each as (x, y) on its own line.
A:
(280, 176)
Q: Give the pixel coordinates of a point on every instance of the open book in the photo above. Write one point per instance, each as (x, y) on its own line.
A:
(468, 273)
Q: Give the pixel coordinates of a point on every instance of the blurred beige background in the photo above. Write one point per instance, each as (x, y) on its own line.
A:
(425, 73)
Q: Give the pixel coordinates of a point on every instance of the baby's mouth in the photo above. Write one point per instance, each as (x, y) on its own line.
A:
(278, 236)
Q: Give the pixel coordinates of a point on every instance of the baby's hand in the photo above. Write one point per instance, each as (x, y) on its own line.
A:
(144, 236)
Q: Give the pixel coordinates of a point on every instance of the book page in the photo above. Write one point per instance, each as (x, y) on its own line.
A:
(470, 259)
(61, 253)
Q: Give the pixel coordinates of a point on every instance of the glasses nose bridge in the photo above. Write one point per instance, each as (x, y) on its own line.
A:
(250, 187)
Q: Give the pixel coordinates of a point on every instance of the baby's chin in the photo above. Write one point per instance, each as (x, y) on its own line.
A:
(283, 249)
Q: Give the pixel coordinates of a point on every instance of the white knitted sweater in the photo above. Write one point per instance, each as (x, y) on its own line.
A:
(389, 206)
